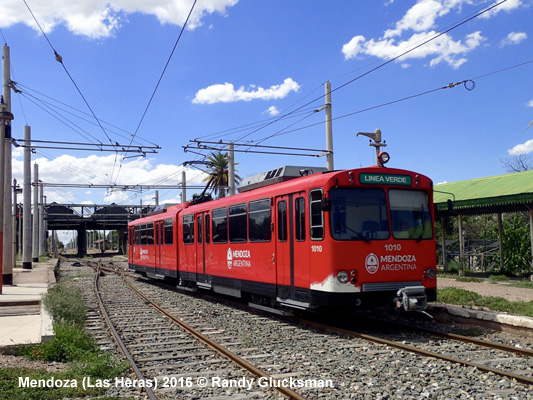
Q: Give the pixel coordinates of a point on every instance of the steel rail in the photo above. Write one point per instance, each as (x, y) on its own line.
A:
(466, 339)
(416, 350)
(215, 346)
(117, 338)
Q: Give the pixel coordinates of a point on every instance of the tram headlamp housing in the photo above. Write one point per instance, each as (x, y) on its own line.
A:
(429, 273)
(383, 158)
(342, 277)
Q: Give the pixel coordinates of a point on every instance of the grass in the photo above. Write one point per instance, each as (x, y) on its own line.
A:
(498, 278)
(525, 284)
(467, 298)
(71, 344)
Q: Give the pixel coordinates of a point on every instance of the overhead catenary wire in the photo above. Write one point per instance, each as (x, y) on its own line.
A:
(158, 82)
(469, 85)
(383, 64)
(59, 59)
(18, 87)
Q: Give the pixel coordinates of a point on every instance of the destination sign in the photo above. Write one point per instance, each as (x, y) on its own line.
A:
(385, 179)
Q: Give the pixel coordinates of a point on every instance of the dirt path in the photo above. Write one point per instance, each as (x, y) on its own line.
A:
(489, 289)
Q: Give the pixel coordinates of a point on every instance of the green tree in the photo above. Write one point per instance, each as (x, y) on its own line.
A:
(218, 173)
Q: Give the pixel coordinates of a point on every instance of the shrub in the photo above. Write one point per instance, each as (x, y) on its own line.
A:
(65, 304)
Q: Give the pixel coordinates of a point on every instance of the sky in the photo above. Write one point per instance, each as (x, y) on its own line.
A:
(448, 82)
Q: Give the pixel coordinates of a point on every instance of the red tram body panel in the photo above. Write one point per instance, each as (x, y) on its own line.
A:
(361, 237)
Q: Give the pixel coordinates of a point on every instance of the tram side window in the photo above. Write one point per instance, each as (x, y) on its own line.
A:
(207, 233)
(188, 229)
(220, 225)
(299, 210)
(317, 215)
(169, 229)
(143, 234)
(150, 233)
(237, 223)
(259, 221)
(137, 235)
(199, 230)
(282, 221)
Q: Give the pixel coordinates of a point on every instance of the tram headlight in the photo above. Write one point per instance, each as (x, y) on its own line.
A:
(342, 277)
(383, 158)
(432, 273)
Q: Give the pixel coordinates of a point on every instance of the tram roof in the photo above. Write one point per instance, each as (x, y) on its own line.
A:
(492, 194)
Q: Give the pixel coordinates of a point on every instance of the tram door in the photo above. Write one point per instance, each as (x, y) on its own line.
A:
(204, 239)
(159, 235)
(292, 255)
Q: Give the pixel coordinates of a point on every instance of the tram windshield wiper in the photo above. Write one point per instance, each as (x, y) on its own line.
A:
(358, 235)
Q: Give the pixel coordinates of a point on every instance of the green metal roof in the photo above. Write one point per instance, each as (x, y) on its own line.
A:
(510, 192)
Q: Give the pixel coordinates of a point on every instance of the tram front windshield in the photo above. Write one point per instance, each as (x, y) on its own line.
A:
(361, 214)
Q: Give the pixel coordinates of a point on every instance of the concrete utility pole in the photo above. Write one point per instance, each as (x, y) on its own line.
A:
(329, 129)
(16, 190)
(26, 193)
(35, 241)
(42, 233)
(183, 186)
(231, 169)
(376, 137)
(5, 173)
(5, 118)
(156, 197)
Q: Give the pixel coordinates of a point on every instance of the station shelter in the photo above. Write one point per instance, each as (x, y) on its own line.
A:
(490, 195)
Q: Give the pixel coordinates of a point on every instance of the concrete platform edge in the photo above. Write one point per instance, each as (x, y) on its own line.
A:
(491, 316)
(47, 325)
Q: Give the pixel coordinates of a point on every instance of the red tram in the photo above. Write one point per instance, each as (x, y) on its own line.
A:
(359, 238)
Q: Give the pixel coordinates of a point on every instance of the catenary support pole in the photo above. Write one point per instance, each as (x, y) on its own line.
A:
(26, 195)
(6, 271)
(183, 186)
(35, 237)
(42, 233)
(231, 169)
(329, 129)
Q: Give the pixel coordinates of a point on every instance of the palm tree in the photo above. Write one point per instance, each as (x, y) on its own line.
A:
(218, 174)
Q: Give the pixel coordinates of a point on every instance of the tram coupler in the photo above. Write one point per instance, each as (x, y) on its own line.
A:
(411, 298)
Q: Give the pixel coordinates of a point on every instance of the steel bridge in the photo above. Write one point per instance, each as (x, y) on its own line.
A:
(83, 217)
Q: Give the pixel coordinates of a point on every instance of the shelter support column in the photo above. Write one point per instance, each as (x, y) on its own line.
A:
(443, 238)
(500, 241)
(531, 233)
(461, 246)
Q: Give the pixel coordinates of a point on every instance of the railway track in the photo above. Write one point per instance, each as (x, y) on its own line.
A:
(359, 366)
(160, 347)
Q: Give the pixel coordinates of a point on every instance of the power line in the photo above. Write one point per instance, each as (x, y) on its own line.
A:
(390, 60)
(17, 89)
(158, 82)
(60, 60)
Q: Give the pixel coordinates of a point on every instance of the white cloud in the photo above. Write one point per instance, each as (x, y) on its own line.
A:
(513, 38)
(508, 6)
(523, 148)
(101, 18)
(226, 92)
(95, 169)
(530, 104)
(444, 48)
(272, 111)
(421, 21)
